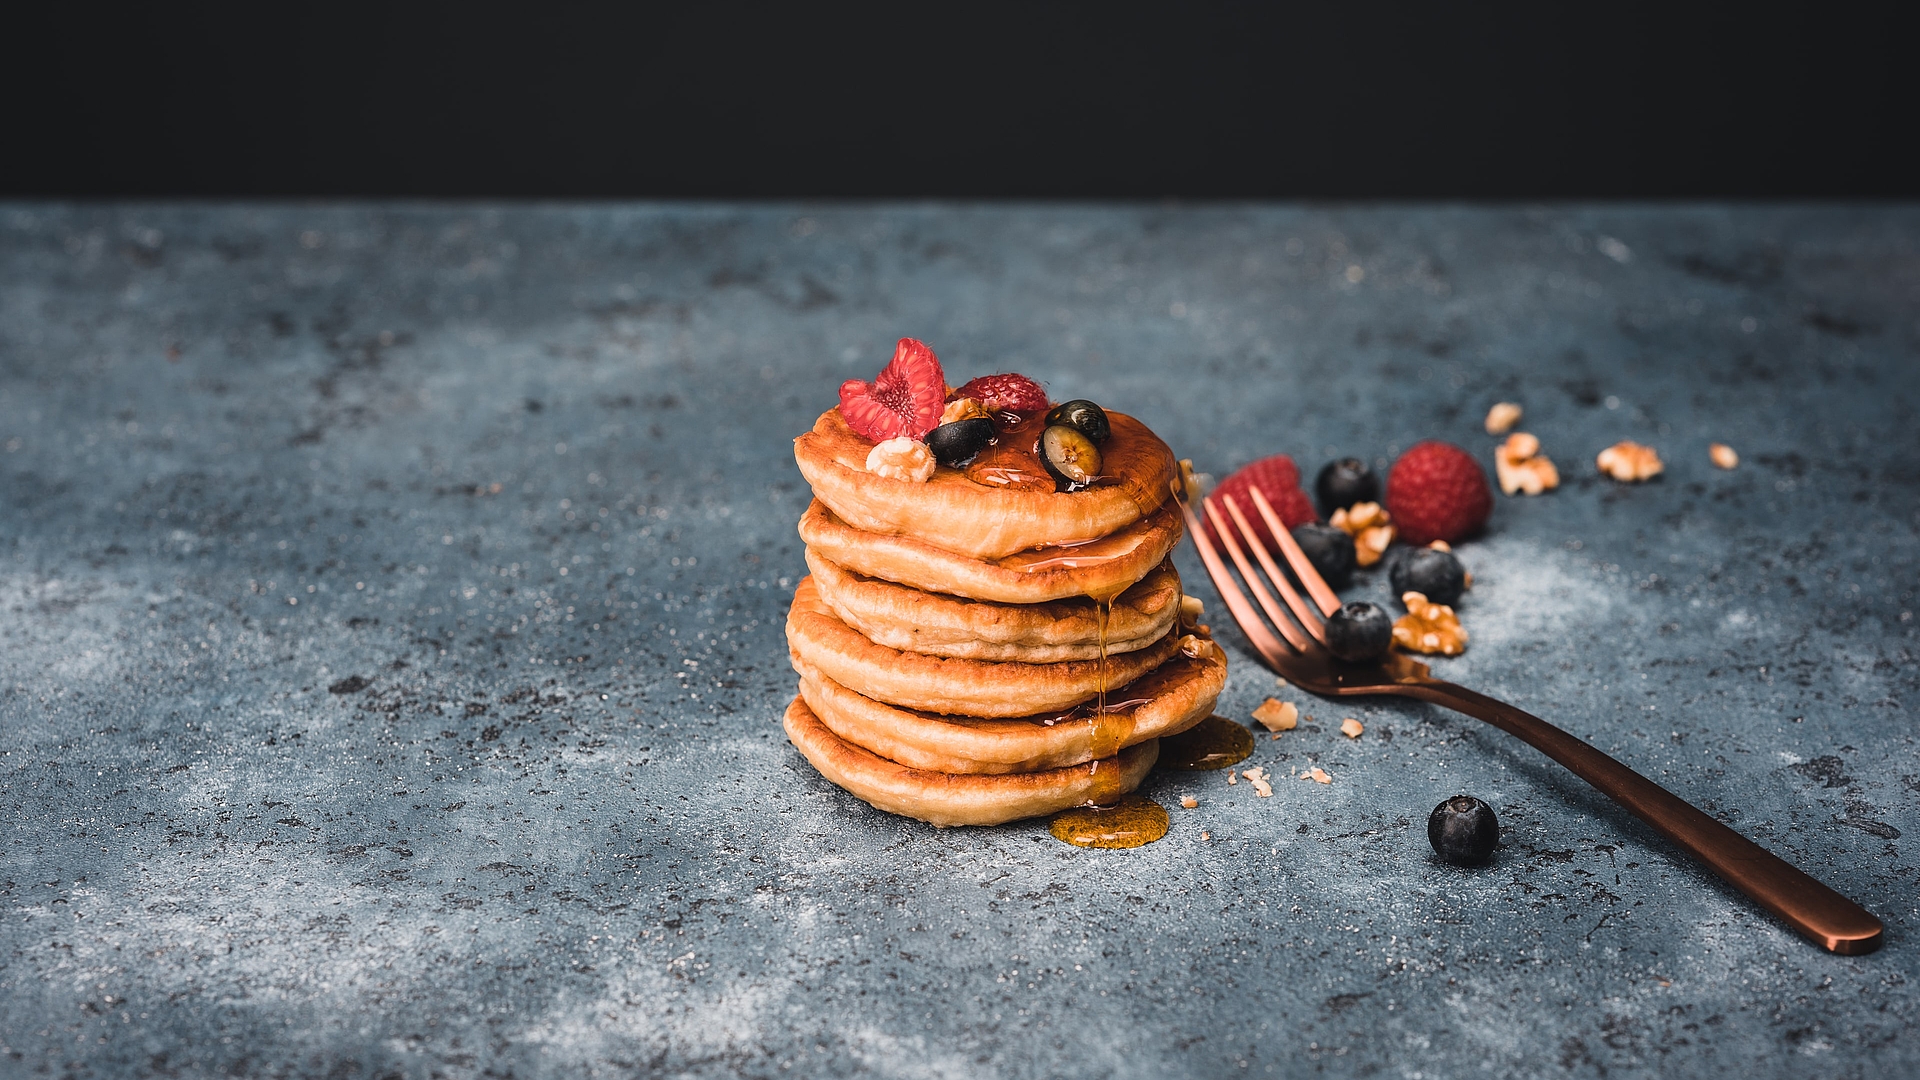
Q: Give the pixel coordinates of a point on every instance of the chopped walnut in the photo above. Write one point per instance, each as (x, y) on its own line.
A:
(901, 459)
(1351, 728)
(1520, 466)
(1370, 526)
(1194, 485)
(1191, 608)
(964, 409)
(1277, 716)
(1258, 778)
(1629, 461)
(1723, 456)
(1502, 417)
(1189, 802)
(1428, 627)
(1317, 774)
(1232, 778)
(1196, 647)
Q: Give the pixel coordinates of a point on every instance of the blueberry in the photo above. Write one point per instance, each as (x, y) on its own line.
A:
(1070, 456)
(1080, 413)
(1463, 830)
(1437, 575)
(955, 444)
(1343, 483)
(1330, 550)
(1359, 632)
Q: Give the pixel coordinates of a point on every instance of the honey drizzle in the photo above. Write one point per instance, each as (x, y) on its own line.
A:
(1132, 821)
(1213, 743)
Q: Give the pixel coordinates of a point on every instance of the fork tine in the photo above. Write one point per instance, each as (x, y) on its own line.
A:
(1268, 646)
(1303, 568)
(1267, 603)
(1309, 618)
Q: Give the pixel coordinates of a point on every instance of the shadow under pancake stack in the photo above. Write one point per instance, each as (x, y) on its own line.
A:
(980, 646)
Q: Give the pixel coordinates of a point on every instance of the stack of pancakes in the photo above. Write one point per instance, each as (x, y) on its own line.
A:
(957, 638)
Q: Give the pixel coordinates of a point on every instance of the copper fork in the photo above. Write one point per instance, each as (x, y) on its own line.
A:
(1300, 655)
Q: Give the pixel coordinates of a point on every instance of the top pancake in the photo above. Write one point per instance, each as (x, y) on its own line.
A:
(956, 512)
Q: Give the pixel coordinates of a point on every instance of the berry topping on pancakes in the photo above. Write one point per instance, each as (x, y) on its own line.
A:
(1006, 393)
(905, 399)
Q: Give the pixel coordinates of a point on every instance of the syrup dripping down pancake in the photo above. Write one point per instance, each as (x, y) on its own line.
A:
(1101, 567)
(962, 687)
(958, 513)
(954, 799)
(901, 617)
(1167, 701)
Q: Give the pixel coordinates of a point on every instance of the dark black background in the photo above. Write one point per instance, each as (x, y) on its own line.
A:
(1545, 100)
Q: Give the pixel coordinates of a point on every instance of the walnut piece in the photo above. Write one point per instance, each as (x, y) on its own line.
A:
(1258, 778)
(1371, 527)
(964, 409)
(1277, 715)
(1723, 456)
(1428, 627)
(1189, 801)
(1318, 774)
(901, 459)
(1502, 417)
(1520, 466)
(1351, 728)
(1191, 608)
(1629, 462)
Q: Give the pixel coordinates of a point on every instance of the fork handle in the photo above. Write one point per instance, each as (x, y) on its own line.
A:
(1832, 920)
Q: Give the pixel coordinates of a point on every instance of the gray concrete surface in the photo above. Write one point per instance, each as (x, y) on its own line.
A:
(392, 604)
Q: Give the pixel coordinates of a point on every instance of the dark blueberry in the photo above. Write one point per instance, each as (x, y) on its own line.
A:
(1330, 550)
(1359, 632)
(1436, 575)
(957, 443)
(1463, 830)
(1080, 413)
(1070, 456)
(1343, 483)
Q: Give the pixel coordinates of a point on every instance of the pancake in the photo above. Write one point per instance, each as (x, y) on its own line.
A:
(818, 638)
(958, 512)
(1105, 566)
(1168, 700)
(949, 799)
(905, 618)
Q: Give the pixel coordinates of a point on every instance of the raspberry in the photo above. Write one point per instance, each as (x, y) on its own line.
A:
(1436, 491)
(1279, 480)
(1005, 393)
(906, 398)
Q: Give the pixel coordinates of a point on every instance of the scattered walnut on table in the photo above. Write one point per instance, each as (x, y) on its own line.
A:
(1629, 462)
(1352, 728)
(901, 459)
(1502, 417)
(1258, 778)
(1723, 456)
(1521, 467)
(1189, 802)
(1277, 716)
(1428, 627)
(1371, 527)
(1317, 774)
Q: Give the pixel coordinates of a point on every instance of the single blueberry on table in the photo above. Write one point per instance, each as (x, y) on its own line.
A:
(1436, 575)
(1343, 483)
(1463, 831)
(1330, 550)
(1359, 632)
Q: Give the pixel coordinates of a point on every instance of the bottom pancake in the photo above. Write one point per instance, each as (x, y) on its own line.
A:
(951, 799)
(1166, 701)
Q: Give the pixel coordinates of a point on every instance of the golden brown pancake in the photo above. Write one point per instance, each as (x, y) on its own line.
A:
(952, 799)
(1168, 700)
(957, 512)
(818, 638)
(900, 617)
(1101, 567)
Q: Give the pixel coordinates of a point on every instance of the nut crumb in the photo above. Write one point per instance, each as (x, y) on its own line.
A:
(964, 408)
(1629, 462)
(1723, 456)
(1371, 527)
(1232, 778)
(1277, 716)
(1205, 835)
(1520, 466)
(1196, 647)
(1502, 417)
(1428, 627)
(1351, 728)
(1441, 545)
(1258, 778)
(1189, 802)
(901, 459)
(1191, 608)
(1320, 775)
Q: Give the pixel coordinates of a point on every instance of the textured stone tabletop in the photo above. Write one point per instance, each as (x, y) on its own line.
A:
(393, 651)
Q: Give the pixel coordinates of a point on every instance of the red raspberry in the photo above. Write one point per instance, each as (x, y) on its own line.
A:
(1005, 393)
(1436, 491)
(906, 398)
(1279, 480)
